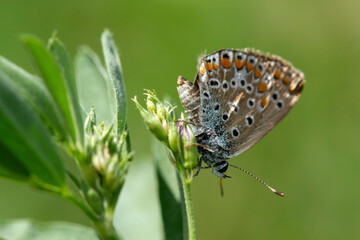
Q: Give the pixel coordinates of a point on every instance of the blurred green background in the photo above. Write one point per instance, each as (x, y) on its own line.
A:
(312, 156)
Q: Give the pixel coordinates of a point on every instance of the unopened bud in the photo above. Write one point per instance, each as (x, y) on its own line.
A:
(94, 200)
(90, 121)
(190, 149)
(161, 112)
(174, 138)
(153, 122)
(150, 105)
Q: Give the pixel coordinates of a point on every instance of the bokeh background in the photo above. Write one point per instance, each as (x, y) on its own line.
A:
(313, 155)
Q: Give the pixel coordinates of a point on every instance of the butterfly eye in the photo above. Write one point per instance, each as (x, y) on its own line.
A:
(217, 107)
(214, 83)
(225, 86)
(225, 117)
(249, 88)
(251, 103)
(235, 132)
(233, 82)
(279, 104)
(249, 120)
(275, 96)
(242, 83)
(206, 94)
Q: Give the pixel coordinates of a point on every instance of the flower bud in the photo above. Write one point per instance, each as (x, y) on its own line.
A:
(94, 200)
(161, 112)
(153, 122)
(150, 105)
(90, 121)
(174, 138)
(190, 149)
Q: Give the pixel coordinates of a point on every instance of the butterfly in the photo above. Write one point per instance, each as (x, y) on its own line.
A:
(237, 97)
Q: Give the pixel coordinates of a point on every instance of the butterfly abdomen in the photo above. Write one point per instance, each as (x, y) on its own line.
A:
(190, 99)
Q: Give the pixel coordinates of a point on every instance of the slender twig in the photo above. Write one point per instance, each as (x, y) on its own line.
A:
(189, 211)
(103, 224)
(66, 194)
(188, 202)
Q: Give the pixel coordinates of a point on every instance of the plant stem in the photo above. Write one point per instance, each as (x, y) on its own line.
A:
(80, 204)
(188, 204)
(104, 225)
(106, 230)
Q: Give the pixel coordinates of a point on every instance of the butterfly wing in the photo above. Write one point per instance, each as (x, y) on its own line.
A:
(243, 95)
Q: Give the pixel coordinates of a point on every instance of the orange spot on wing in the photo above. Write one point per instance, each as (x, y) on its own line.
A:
(262, 87)
(225, 63)
(208, 66)
(202, 70)
(264, 102)
(286, 81)
(239, 64)
(215, 66)
(276, 74)
(257, 73)
(249, 66)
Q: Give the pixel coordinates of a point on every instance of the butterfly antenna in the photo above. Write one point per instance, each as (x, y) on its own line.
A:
(245, 171)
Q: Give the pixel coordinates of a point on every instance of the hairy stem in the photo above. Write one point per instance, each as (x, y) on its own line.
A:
(188, 203)
(103, 224)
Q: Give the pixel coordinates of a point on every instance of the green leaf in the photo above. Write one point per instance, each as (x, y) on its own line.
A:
(95, 88)
(31, 230)
(138, 206)
(32, 89)
(114, 69)
(24, 136)
(55, 82)
(172, 210)
(11, 168)
(61, 56)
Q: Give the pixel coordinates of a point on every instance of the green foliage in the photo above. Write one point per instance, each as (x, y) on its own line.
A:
(173, 210)
(25, 138)
(56, 85)
(30, 230)
(95, 88)
(114, 70)
(43, 121)
(180, 142)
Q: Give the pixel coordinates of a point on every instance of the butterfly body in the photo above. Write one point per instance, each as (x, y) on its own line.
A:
(237, 97)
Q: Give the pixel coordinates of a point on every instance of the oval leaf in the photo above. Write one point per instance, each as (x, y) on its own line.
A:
(61, 56)
(114, 69)
(26, 137)
(94, 85)
(170, 195)
(31, 88)
(54, 81)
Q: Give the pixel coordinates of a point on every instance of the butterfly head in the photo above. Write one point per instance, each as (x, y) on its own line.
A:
(220, 168)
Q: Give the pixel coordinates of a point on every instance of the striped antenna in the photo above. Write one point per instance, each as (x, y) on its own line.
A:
(272, 189)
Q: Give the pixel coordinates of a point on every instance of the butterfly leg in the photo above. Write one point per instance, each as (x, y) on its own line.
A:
(184, 121)
(201, 167)
(200, 145)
